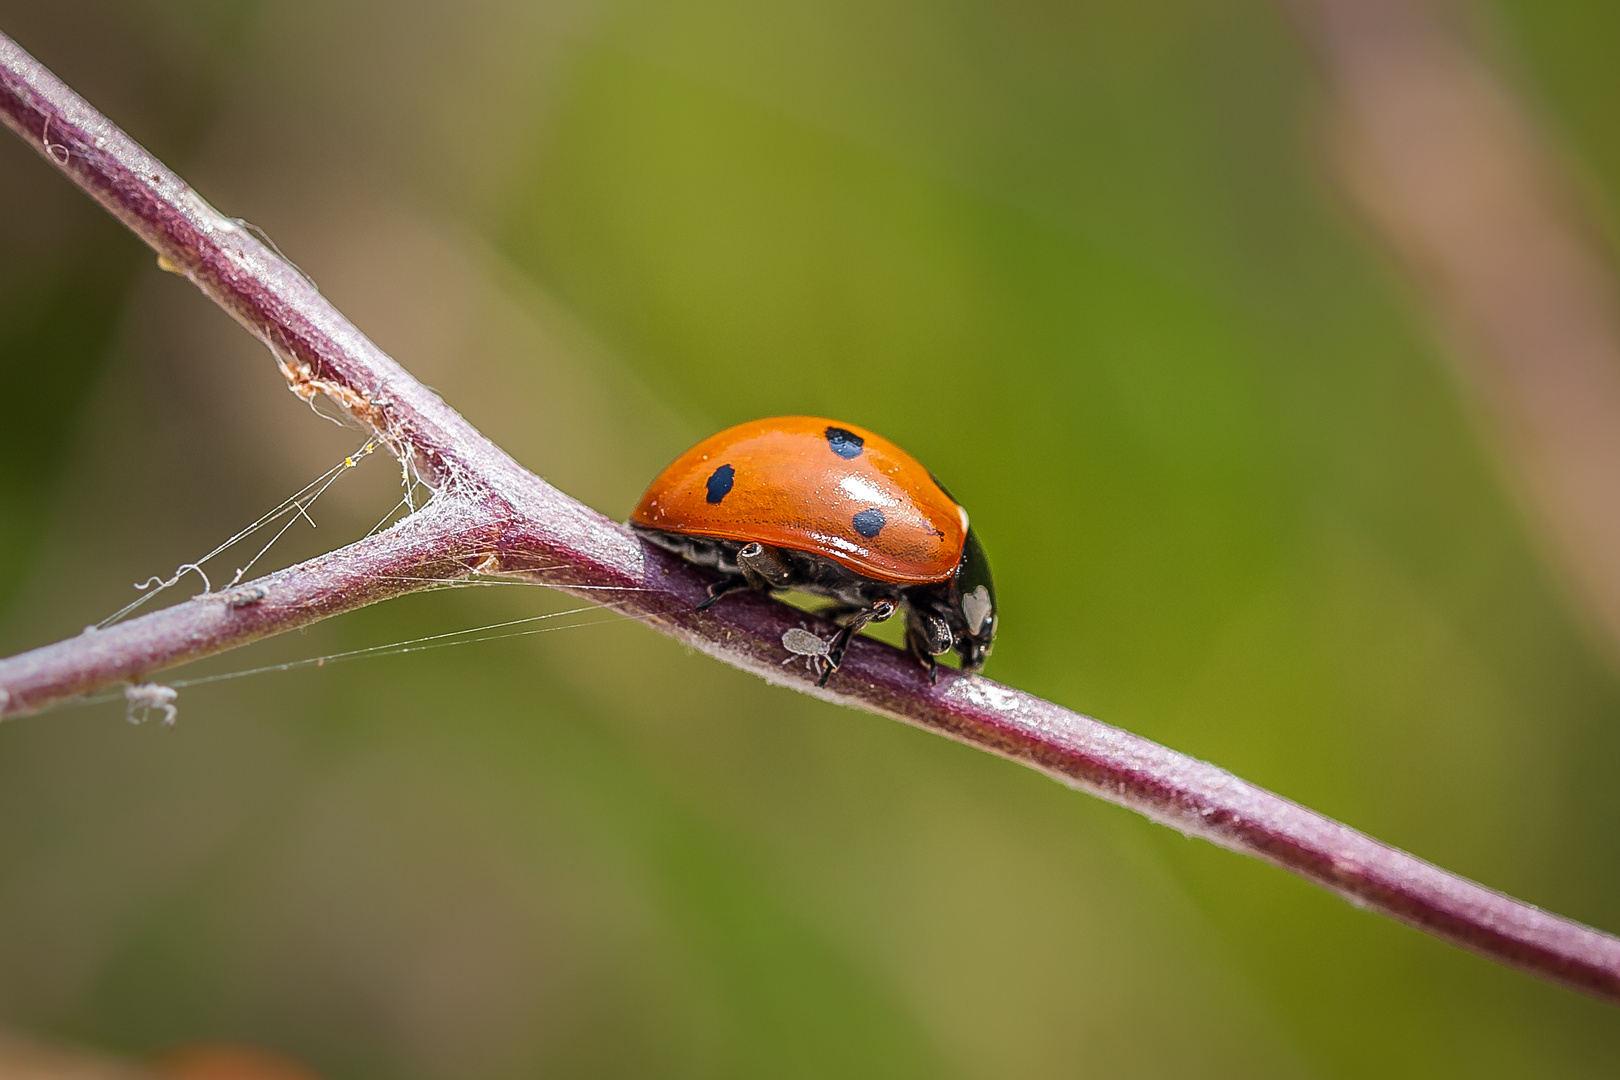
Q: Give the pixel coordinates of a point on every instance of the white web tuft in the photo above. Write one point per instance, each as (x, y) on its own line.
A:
(142, 699)
(292, 508)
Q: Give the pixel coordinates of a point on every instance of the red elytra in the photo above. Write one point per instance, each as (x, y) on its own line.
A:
(850, 496)
(803, 502)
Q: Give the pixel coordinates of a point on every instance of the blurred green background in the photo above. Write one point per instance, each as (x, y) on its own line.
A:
(1081, 259)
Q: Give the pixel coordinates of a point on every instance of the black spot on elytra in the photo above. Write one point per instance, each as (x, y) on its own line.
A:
(720, 483)
(845, 443)
(870, 522)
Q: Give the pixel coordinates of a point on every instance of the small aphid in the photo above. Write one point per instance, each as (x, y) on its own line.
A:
(803, 643)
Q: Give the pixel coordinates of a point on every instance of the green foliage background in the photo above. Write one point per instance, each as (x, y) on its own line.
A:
(1079, 258)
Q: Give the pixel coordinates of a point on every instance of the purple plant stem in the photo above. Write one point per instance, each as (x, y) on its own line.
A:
(443, 540)
(489, 508)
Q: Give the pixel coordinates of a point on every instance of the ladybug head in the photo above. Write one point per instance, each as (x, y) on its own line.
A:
(974, 598)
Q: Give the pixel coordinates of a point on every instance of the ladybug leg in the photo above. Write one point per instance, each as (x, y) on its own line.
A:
(922, 640)
(765, 567)
(758, 567)
(878, 612)
(927, 660)
(721, 588)
(927, 636)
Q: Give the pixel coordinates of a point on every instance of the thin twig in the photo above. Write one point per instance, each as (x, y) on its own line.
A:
(442, 541)
(488, 503)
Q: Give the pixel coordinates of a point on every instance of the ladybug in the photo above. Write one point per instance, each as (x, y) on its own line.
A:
(825, 507)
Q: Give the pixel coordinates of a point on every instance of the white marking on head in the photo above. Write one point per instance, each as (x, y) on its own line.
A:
(976, 606)
(861, 489)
